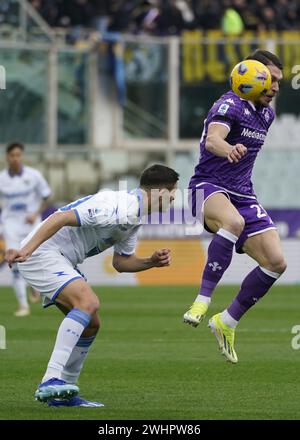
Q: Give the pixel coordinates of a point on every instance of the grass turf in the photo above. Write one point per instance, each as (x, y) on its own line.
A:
(146, 364)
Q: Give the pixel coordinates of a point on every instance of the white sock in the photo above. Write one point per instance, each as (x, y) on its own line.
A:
(228, 235)
(74, 365)
(19, 285)
(228, 319)
(68, 335)
(203, 298)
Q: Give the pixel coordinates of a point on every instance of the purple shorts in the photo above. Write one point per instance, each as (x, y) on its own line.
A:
(257, 220)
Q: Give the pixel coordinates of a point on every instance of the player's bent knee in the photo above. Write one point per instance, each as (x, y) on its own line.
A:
(91, 306)
(279, 266)
(276, 265)
(235, 225)
(87, 301)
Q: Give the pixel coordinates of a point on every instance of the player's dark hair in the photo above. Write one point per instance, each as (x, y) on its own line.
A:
(158, 176)
(14, 145)
(265, 57)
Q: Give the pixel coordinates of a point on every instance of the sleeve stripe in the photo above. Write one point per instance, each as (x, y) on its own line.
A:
(77, 216)
(220, 123)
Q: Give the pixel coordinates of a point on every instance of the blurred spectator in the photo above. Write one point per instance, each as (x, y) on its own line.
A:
(145, 16)
(232, 23)
(269, 19)
(170, 17)
(208, 13)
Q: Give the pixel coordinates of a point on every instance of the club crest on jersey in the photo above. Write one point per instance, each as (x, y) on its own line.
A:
(93, 212)
(266, 115)
(247, 112)
(223, 109)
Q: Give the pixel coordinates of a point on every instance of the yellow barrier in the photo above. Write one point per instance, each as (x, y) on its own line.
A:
(188, 260)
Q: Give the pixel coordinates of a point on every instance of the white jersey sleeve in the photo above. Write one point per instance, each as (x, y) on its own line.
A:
(93, 210)
(127, 246)
(42, 188)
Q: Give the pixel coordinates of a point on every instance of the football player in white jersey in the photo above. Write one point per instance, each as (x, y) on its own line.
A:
(23, 192)
(48, 260)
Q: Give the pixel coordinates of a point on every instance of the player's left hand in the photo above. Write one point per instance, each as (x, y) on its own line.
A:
(15, 256)
(31, 218)
(161, 258)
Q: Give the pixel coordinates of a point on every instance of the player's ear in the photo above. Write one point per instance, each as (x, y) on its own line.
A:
(162, 191)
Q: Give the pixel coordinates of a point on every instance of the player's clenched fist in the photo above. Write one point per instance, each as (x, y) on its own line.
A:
(236, 153)
(15, 256)
(161, 258)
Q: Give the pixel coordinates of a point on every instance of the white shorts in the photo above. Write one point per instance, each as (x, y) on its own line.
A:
(48, 271)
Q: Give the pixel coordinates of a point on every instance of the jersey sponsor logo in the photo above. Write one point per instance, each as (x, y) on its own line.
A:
(247, 112)
(253, 134)
(18, 207)
(230, 100)
(60, 273)
(223, 109)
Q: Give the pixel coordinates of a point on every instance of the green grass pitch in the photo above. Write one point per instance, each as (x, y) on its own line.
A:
(146, 364)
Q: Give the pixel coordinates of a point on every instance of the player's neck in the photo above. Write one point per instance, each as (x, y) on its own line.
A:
(15, 171)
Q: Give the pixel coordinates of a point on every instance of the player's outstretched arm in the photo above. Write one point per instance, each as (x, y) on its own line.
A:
(48, 228)
(217, 145)
(132, 263)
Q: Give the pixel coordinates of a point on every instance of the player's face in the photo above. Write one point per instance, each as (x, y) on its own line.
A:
(276, 74)
(14, 159)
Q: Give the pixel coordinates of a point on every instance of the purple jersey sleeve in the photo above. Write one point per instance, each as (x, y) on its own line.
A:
(225, 111)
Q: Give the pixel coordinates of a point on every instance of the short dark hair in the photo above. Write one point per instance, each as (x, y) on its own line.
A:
(14, 145)
(158, 176)
(265, 57)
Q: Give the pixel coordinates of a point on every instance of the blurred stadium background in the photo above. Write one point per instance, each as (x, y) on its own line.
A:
(98, 90)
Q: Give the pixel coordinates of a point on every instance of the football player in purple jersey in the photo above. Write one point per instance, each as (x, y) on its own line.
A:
(234, 132)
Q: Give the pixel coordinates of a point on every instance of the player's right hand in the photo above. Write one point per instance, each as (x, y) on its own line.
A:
(15, 256)
(161, 258)
(236, 153)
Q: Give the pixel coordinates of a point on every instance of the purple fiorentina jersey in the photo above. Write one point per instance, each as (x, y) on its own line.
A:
(248, 126)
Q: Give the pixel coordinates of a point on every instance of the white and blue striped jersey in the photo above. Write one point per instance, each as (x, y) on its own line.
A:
(106, 219)
(21, 194)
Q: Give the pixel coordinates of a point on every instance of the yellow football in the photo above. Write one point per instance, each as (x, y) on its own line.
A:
(249, 79)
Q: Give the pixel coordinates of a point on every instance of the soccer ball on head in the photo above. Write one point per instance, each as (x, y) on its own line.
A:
(249, 79)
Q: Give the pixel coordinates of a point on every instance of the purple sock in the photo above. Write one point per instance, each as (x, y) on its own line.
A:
(255, 286)
(219, 256)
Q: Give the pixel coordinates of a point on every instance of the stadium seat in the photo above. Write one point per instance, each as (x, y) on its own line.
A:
(81, 177)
